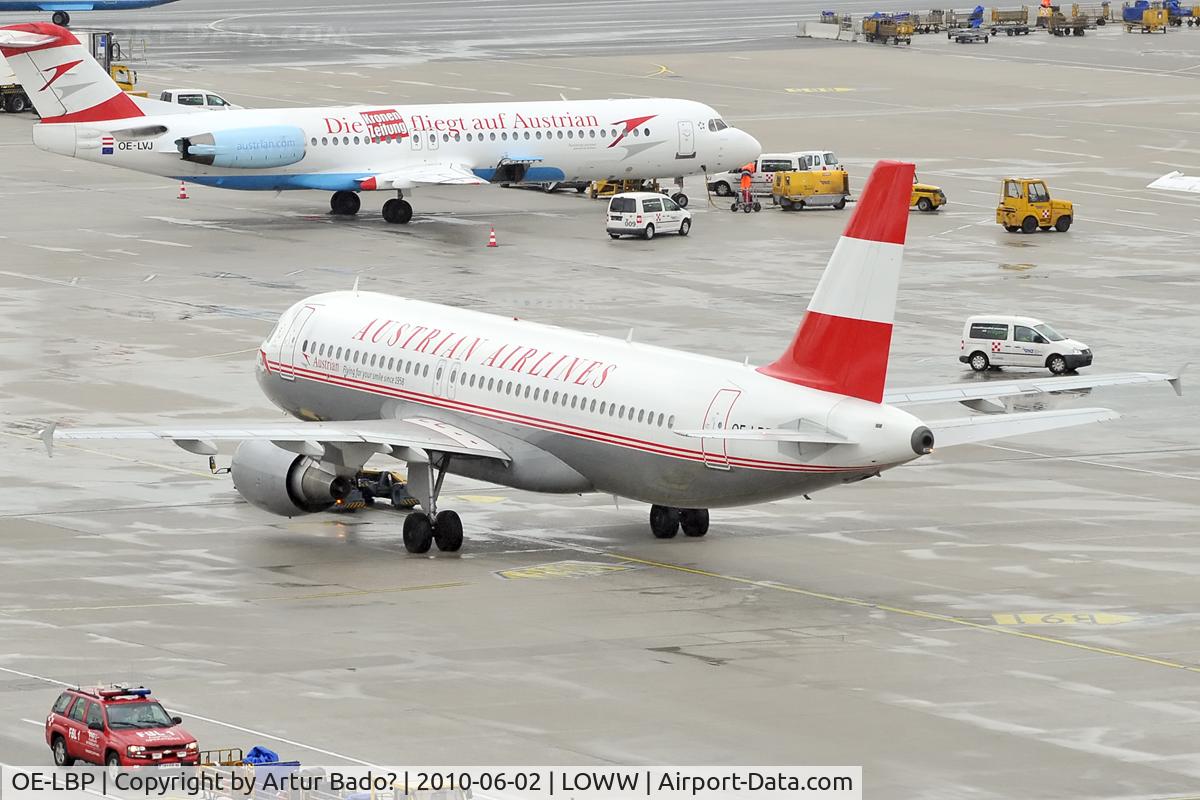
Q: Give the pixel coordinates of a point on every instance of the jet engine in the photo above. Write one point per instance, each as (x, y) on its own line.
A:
(245, 148)
(284, 483)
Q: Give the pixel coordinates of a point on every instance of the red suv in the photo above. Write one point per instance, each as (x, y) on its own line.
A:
(116, 726)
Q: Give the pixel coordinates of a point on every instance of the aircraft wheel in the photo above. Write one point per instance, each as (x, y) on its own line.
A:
(979, 362)
(344, 204)
(418, 532)
(664, 522)
(694, 521)
(397, 212)
(61, 18)
(448, 532)
(681, 199)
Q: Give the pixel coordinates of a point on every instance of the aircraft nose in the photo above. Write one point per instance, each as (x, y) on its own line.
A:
(746, 146)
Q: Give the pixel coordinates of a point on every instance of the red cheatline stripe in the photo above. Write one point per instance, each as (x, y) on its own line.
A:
(551, 425)
(881, 214)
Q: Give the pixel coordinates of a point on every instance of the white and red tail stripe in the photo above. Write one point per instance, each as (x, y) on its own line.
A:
(843, 341)
(61, 78)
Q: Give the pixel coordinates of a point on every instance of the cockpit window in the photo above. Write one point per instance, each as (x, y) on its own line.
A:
(717, 124)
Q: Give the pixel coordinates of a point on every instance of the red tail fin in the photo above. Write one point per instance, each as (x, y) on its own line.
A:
(843, 341)
(61, 78)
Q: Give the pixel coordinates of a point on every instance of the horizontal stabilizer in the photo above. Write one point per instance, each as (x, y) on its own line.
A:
(1176, 182)
(968, 430)
(980, 390)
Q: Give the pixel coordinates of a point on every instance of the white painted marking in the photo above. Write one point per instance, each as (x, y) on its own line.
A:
(165, 244)
(1131, 211)
(1066, 153)
(56, 249)
(150, 277)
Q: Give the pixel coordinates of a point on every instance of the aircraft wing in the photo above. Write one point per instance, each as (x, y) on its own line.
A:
(305, 438)
(1176, 182)
(975, 393)
(982, 428)
(437, 173)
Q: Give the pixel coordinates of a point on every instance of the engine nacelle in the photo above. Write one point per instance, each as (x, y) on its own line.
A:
(245, 148)
(284, 483)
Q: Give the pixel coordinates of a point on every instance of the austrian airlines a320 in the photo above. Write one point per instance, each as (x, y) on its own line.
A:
(345, 151)
(540, 408)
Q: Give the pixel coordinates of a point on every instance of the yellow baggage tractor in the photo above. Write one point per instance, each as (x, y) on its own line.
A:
(926, 197)
(880, 28)
(1025, 206)
(798, 189)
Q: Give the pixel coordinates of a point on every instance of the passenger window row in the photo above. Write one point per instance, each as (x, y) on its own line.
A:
(503, 136)
(474, 381)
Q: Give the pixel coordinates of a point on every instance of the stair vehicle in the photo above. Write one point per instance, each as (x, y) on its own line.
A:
(116, 726)
(794, 190)
(1025, 206)
(926, 197)
(999, 340)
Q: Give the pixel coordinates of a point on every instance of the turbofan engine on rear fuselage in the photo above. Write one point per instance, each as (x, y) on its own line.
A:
(283, 482)
(245, 148)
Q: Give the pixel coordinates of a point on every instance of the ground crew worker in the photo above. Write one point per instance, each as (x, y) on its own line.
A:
(747, 179)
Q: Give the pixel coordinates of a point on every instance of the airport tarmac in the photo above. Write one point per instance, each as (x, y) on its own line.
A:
(1005, 621)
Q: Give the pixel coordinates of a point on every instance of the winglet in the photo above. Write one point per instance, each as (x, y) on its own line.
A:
(47, 434)
(1176, 380)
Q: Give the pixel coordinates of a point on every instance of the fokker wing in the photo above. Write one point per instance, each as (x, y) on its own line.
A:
(972, 393)
(305, 438)
(436, 173)
(981, 428)
(1176, 182)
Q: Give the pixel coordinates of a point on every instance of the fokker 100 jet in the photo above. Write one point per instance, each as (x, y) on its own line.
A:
(361, 148)
(544, 409)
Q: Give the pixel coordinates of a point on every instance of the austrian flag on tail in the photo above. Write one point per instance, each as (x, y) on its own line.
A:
(843, 341)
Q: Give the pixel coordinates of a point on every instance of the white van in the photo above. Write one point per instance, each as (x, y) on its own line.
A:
(725, 184)
(646, 214)
(998, 340)
(197, 98)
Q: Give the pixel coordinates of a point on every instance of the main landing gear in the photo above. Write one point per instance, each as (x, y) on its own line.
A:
(397, 211)
(666, 521)
(424, 528)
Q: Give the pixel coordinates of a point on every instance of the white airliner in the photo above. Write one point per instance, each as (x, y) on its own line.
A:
(545, 409)
(1176, 182)
(361, 148)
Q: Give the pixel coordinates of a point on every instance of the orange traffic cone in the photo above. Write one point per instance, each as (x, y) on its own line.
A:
(492, 238)
(183, 195)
